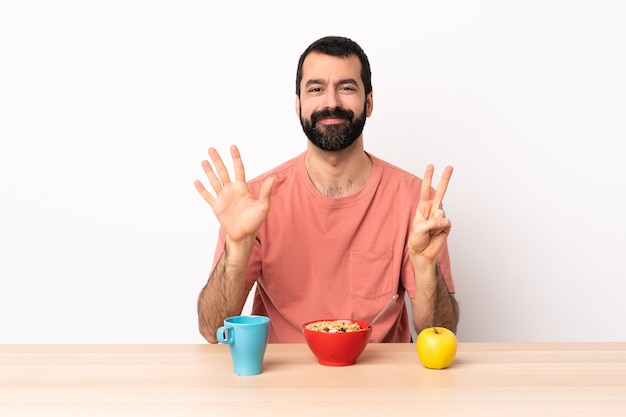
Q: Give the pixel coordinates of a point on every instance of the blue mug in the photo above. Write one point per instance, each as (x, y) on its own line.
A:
(247, 338)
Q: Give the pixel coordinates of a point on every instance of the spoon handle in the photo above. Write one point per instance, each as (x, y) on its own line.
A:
(394, 298)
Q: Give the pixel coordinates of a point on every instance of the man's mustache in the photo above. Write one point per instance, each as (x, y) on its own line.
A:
(337, 113)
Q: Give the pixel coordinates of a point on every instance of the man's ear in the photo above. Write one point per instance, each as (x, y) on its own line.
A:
(297, 106)
(369, 104)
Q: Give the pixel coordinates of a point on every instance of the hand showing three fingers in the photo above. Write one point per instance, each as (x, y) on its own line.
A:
(240, 214)
(430, 225)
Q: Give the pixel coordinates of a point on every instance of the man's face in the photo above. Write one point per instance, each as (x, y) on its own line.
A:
(332, 105)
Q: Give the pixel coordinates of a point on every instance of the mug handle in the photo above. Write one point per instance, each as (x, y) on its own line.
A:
(225, 335)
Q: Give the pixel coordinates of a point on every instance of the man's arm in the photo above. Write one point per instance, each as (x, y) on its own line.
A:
(433, 304)
(240, 215)
(224, 293)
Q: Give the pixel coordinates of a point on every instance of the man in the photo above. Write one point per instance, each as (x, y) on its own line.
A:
(345, 231)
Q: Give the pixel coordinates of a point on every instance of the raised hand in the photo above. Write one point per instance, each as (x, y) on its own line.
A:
(240, 214)
(430, 225)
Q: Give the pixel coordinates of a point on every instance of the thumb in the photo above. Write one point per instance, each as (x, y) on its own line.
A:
(266, 189)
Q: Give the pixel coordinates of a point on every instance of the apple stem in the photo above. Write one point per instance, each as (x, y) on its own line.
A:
(434, 329)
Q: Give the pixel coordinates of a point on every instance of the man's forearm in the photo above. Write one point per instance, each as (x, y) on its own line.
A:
(433, 304)
(224, 293)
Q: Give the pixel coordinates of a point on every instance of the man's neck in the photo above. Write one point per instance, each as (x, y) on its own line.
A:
(338, 174)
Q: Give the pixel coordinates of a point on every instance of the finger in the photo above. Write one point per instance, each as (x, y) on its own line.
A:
(439, 213)
(442, 186)
(213, 180)
(425, 193)
(240, 174)
(266, 188)
(443, 225)
(220, 168)
(432, 227)
(438, 225)
(204, 193)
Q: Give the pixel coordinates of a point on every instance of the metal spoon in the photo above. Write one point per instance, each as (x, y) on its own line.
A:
(385, 308)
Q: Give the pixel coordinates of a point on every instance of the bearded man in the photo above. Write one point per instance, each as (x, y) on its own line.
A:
(335, 231)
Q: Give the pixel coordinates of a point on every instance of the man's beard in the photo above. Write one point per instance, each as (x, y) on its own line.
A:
(334, 137)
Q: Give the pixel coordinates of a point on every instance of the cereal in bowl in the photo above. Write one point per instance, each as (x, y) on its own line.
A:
(334, 326)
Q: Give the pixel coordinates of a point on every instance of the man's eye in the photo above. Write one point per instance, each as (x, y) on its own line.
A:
(347, 88)
(315, 90)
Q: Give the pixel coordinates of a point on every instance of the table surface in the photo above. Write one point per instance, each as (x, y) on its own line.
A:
(486, 379)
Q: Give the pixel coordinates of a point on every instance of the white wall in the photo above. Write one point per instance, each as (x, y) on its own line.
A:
(107, 108)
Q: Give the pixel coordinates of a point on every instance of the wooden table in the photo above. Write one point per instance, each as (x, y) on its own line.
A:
(486, 379)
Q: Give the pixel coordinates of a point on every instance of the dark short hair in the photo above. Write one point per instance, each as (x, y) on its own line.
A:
(341, 47)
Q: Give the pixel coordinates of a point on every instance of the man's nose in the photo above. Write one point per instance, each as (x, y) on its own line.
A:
(331, 99)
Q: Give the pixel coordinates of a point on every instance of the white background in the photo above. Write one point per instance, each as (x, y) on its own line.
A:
(107, 109)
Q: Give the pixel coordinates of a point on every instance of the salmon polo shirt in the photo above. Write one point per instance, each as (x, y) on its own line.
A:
(318, 258)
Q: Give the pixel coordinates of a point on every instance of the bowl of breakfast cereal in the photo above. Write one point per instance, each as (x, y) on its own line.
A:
(337, 342)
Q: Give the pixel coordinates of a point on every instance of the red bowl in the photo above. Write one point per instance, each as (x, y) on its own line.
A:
(337, 349)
